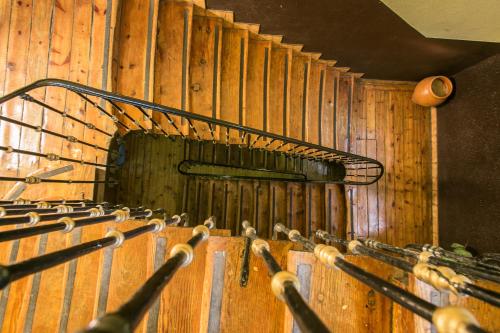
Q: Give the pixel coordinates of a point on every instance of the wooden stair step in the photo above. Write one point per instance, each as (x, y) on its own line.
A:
(227, 305)
(173, 48)
(204, 72)
(233, 77)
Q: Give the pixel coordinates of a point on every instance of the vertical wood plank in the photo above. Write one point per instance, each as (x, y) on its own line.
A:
(204, 72)
(18, 44)
(171, 79)
(327, 113)
(315, 93)
(279, 89)
(257, 85)
(298, 95)
(233, 77)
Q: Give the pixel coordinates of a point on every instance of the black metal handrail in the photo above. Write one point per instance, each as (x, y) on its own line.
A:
(360, 170)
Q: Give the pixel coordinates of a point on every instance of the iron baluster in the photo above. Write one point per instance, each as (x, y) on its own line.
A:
(444, 318)
(42, 130)
(128, 316)
(30, 98)
(285, 285)
(98, 107)
(441, 278)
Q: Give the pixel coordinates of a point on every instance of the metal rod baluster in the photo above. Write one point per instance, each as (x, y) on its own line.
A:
(122, 112)
(431, 258)
(115, 238)
(441, 278)
(109, 115)
(285, 285)
(154, 122)
(30, 98)
(52, 157)
(43, 130)
(128, 316)
(438, 251)
(448, 319)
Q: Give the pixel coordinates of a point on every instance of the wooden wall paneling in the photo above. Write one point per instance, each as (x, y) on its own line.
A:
(137, 181)
(341, 116)
(133, 55)
(315, 93)
(296, 206)
(279, 89)
(234, 57)
(427, 175)
(381, 110)
(230, 215)
(262, 214)
(278, 203)
(389, 169)
(203, 199)
(336, 209)
(418, 193)
(17, 52)
(328, 108)
(219, 201)
(342, 302)
(75, 106)
(298, 95)
(173, 46)
(315, 208)
(256, 298)
(257, 85)
(362, 191)
(181, 306)
(398, 169)
(434, 176)
(204, 72)
(409, 171)
(371, 151)
(38, 55)
(20, 291)
(246, 204)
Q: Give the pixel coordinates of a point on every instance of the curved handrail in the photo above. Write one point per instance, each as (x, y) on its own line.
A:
(169, 111)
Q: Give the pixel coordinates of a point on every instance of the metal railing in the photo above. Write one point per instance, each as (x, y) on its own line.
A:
(359, 170)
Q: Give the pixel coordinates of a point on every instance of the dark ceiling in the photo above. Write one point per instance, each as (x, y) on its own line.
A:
(364, 35)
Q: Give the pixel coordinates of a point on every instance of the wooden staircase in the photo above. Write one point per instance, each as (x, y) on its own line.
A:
(207, 296)
(201, 61)
(183, 55)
